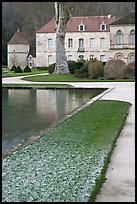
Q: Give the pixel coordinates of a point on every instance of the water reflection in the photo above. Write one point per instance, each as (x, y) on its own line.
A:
(25, 112)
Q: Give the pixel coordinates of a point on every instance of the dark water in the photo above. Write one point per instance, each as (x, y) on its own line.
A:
(27, 111)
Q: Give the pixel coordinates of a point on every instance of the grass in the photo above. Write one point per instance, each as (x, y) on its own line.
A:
(8, 73)
(69, 162)
(67, 78)
(54, 77)
(37, 85)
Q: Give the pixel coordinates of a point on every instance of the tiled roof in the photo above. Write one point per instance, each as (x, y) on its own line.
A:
(18, 38)
(128, 19)
(92, 24)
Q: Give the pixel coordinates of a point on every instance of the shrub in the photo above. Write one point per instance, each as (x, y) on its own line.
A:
(92, 69)
(114, 69)
(27, 69)
(83, 72)
(13, 68)
(95, 69)
(42, 68)
(79, 64)
(130, 70)
(72, 65)
(18, 70)
(51, 68)
(4, 66)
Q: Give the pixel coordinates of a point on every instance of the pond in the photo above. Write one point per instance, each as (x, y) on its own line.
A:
(27, 111)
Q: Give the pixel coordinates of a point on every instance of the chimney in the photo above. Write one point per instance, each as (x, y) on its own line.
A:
(109, 16)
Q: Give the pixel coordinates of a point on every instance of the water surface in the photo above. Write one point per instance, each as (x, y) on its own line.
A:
(27, 111)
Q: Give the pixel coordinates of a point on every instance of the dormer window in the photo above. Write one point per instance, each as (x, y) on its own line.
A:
(103, 27)
(81, 27)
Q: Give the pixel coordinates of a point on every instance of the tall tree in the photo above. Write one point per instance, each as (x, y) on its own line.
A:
(63, 11)
(29, 16)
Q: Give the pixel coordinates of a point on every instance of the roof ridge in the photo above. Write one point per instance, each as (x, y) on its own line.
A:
(18, 38)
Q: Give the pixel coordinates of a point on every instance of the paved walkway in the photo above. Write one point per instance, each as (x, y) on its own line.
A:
(120, 183)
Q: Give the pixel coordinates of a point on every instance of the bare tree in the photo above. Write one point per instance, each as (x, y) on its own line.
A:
(63, 11)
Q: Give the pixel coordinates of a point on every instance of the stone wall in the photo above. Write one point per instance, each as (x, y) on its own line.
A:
(17, 55)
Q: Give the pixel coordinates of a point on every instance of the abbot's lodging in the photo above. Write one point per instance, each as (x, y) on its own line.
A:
(88, 37)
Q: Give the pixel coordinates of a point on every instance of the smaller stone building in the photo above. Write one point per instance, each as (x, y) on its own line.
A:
(19, 51)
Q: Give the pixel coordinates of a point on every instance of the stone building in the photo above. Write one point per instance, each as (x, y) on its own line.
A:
(19, 51)
(88, 37)
(122, 39)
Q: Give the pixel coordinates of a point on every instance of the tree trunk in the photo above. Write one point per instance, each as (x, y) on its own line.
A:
(62, 18)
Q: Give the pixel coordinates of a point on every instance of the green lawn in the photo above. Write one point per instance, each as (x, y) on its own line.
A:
(8, 73)
(54, 77)
(38, 85)
(69, 162)
(65, 78)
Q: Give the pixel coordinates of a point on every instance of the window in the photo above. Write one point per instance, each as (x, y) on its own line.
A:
(103, 27)
(50, 43)
(102, 58)
(81, 45)
(119, 37)
(49, 59)
(102, 43)
(91, 57)
(131, 57)
(70, 42)
(30, 64)
(119, 56)
(81, 27)
(81, 42)
(92, 42)
(69, 57)
(81, 57)
(132, 37)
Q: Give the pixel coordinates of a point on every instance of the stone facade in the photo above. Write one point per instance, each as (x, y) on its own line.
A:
(17, 55)
(46, 56)
(122, 40)
(43, 53)
(95, 43)
(79, 44)
(100, 37)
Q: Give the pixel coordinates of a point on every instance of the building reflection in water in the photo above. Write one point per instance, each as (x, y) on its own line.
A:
(27, 111)
(18, 97)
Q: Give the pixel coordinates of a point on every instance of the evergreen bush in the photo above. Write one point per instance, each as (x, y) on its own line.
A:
(18, 70)
(51, 68)
(13, 68)
(27, 69)
(72, 65)
(83, 72)
(80, 64)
